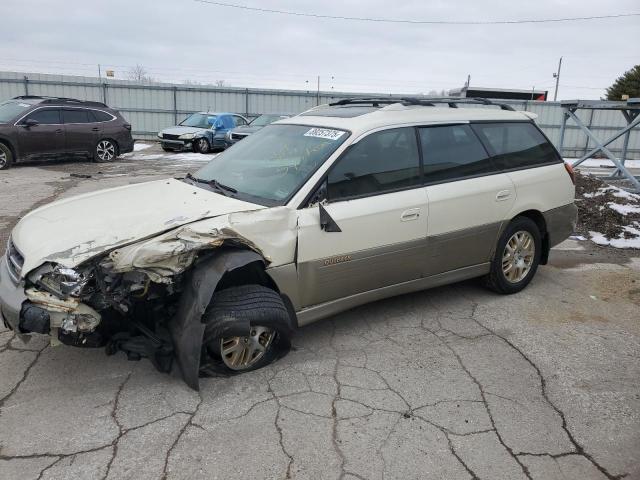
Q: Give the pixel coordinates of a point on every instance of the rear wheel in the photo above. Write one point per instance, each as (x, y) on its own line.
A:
(6, 157)
(246, 328)
(517, 257)
(106, 151)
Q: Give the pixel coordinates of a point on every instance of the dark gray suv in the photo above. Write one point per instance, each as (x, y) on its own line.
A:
(44, 128)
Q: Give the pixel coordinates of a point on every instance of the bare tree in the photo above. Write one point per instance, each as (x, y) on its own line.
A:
(220, 83)
(139, 74)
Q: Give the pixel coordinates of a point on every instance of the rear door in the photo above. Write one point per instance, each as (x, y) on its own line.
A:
(375, 197)
(469, 198)
(45, 139)
(81, 129)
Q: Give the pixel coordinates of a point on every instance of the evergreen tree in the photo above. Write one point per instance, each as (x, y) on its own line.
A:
(627, 84)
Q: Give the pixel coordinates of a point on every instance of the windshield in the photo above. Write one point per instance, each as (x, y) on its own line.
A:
(274, 162)
(264, 120)
(199, 120)
(10, 110)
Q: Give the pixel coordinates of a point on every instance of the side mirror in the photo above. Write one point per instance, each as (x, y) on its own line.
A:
(30, 122)
(327, 223)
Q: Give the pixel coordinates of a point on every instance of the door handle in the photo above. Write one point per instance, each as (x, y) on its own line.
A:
(503, 195)
(411, 214)
(95, 129)
(59, 130)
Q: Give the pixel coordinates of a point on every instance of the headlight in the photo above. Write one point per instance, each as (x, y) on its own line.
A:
(160, 135)
(65, 282)
(187, 136)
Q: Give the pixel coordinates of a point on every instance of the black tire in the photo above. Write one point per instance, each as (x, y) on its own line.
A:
(167, 149)
(497, 280)
(6, 157)
(106, 150)
(234, 312)
(201, 145)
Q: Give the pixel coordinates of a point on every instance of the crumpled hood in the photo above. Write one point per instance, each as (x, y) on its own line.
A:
(73, 230)
(182, 130)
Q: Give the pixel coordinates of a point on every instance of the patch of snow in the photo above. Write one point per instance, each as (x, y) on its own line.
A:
(193, 157)
(623, 209)
(619, 242)
(148, 157)
(577, 237)
(141, 146)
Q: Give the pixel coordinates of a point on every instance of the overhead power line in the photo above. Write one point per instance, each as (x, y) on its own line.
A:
(417, 22)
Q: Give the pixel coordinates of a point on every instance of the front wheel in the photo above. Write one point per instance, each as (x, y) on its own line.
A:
(6, 157)
(246, 327)
(106, 151)
(517, 257)
(201, 145)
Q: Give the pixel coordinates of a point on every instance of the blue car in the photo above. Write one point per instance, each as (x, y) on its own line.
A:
(200, 132)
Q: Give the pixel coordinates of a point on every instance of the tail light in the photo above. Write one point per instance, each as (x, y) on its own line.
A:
(571, 172)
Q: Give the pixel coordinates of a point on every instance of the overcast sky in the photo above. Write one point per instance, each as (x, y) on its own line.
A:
(178, 40)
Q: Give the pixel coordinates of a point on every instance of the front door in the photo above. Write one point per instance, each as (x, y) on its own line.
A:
(42, 139)
(376, 200)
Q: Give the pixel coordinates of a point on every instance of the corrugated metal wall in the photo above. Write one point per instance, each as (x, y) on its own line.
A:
(152, 107)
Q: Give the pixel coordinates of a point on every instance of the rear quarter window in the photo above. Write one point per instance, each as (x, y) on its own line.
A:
(101, 116)
(516, 145)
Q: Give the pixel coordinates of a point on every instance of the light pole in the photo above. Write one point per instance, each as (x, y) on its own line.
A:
(557, 77)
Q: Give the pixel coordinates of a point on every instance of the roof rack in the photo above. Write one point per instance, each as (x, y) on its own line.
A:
(60, 100)
(452, 102)
(373, 101)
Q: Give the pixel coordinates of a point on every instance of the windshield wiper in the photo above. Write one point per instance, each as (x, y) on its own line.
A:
(212, 183)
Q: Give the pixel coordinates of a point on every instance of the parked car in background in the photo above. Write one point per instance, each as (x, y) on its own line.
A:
(200, 132)
(238, 133)
(47, 128)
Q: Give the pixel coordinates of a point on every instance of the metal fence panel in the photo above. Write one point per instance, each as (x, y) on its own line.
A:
(150, 107)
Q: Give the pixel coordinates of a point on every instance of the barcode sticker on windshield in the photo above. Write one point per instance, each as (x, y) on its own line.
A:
(327, 133)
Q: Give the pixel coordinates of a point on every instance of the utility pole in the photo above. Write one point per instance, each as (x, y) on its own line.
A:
(318, 95)
(468, 81)
(99, 71)
(557, 77)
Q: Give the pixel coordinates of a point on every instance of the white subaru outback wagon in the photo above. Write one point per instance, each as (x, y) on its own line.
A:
(344, 204)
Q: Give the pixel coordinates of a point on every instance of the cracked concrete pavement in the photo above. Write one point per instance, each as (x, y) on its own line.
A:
(451, 383)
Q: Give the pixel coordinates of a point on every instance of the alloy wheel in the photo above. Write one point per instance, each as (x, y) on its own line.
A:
(106, 150)
(203, 145)
(518, 256)
(3, 159)
(241, 353)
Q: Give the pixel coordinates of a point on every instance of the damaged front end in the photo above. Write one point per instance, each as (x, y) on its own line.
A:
(147, 298)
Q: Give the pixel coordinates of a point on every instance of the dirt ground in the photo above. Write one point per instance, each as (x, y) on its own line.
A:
(450, 383)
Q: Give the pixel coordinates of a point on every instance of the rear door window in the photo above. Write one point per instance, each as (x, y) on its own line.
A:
(516, 145)
(75, 116)
(49, 116)
(381, 162)
(228, 122)
(453, 152)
